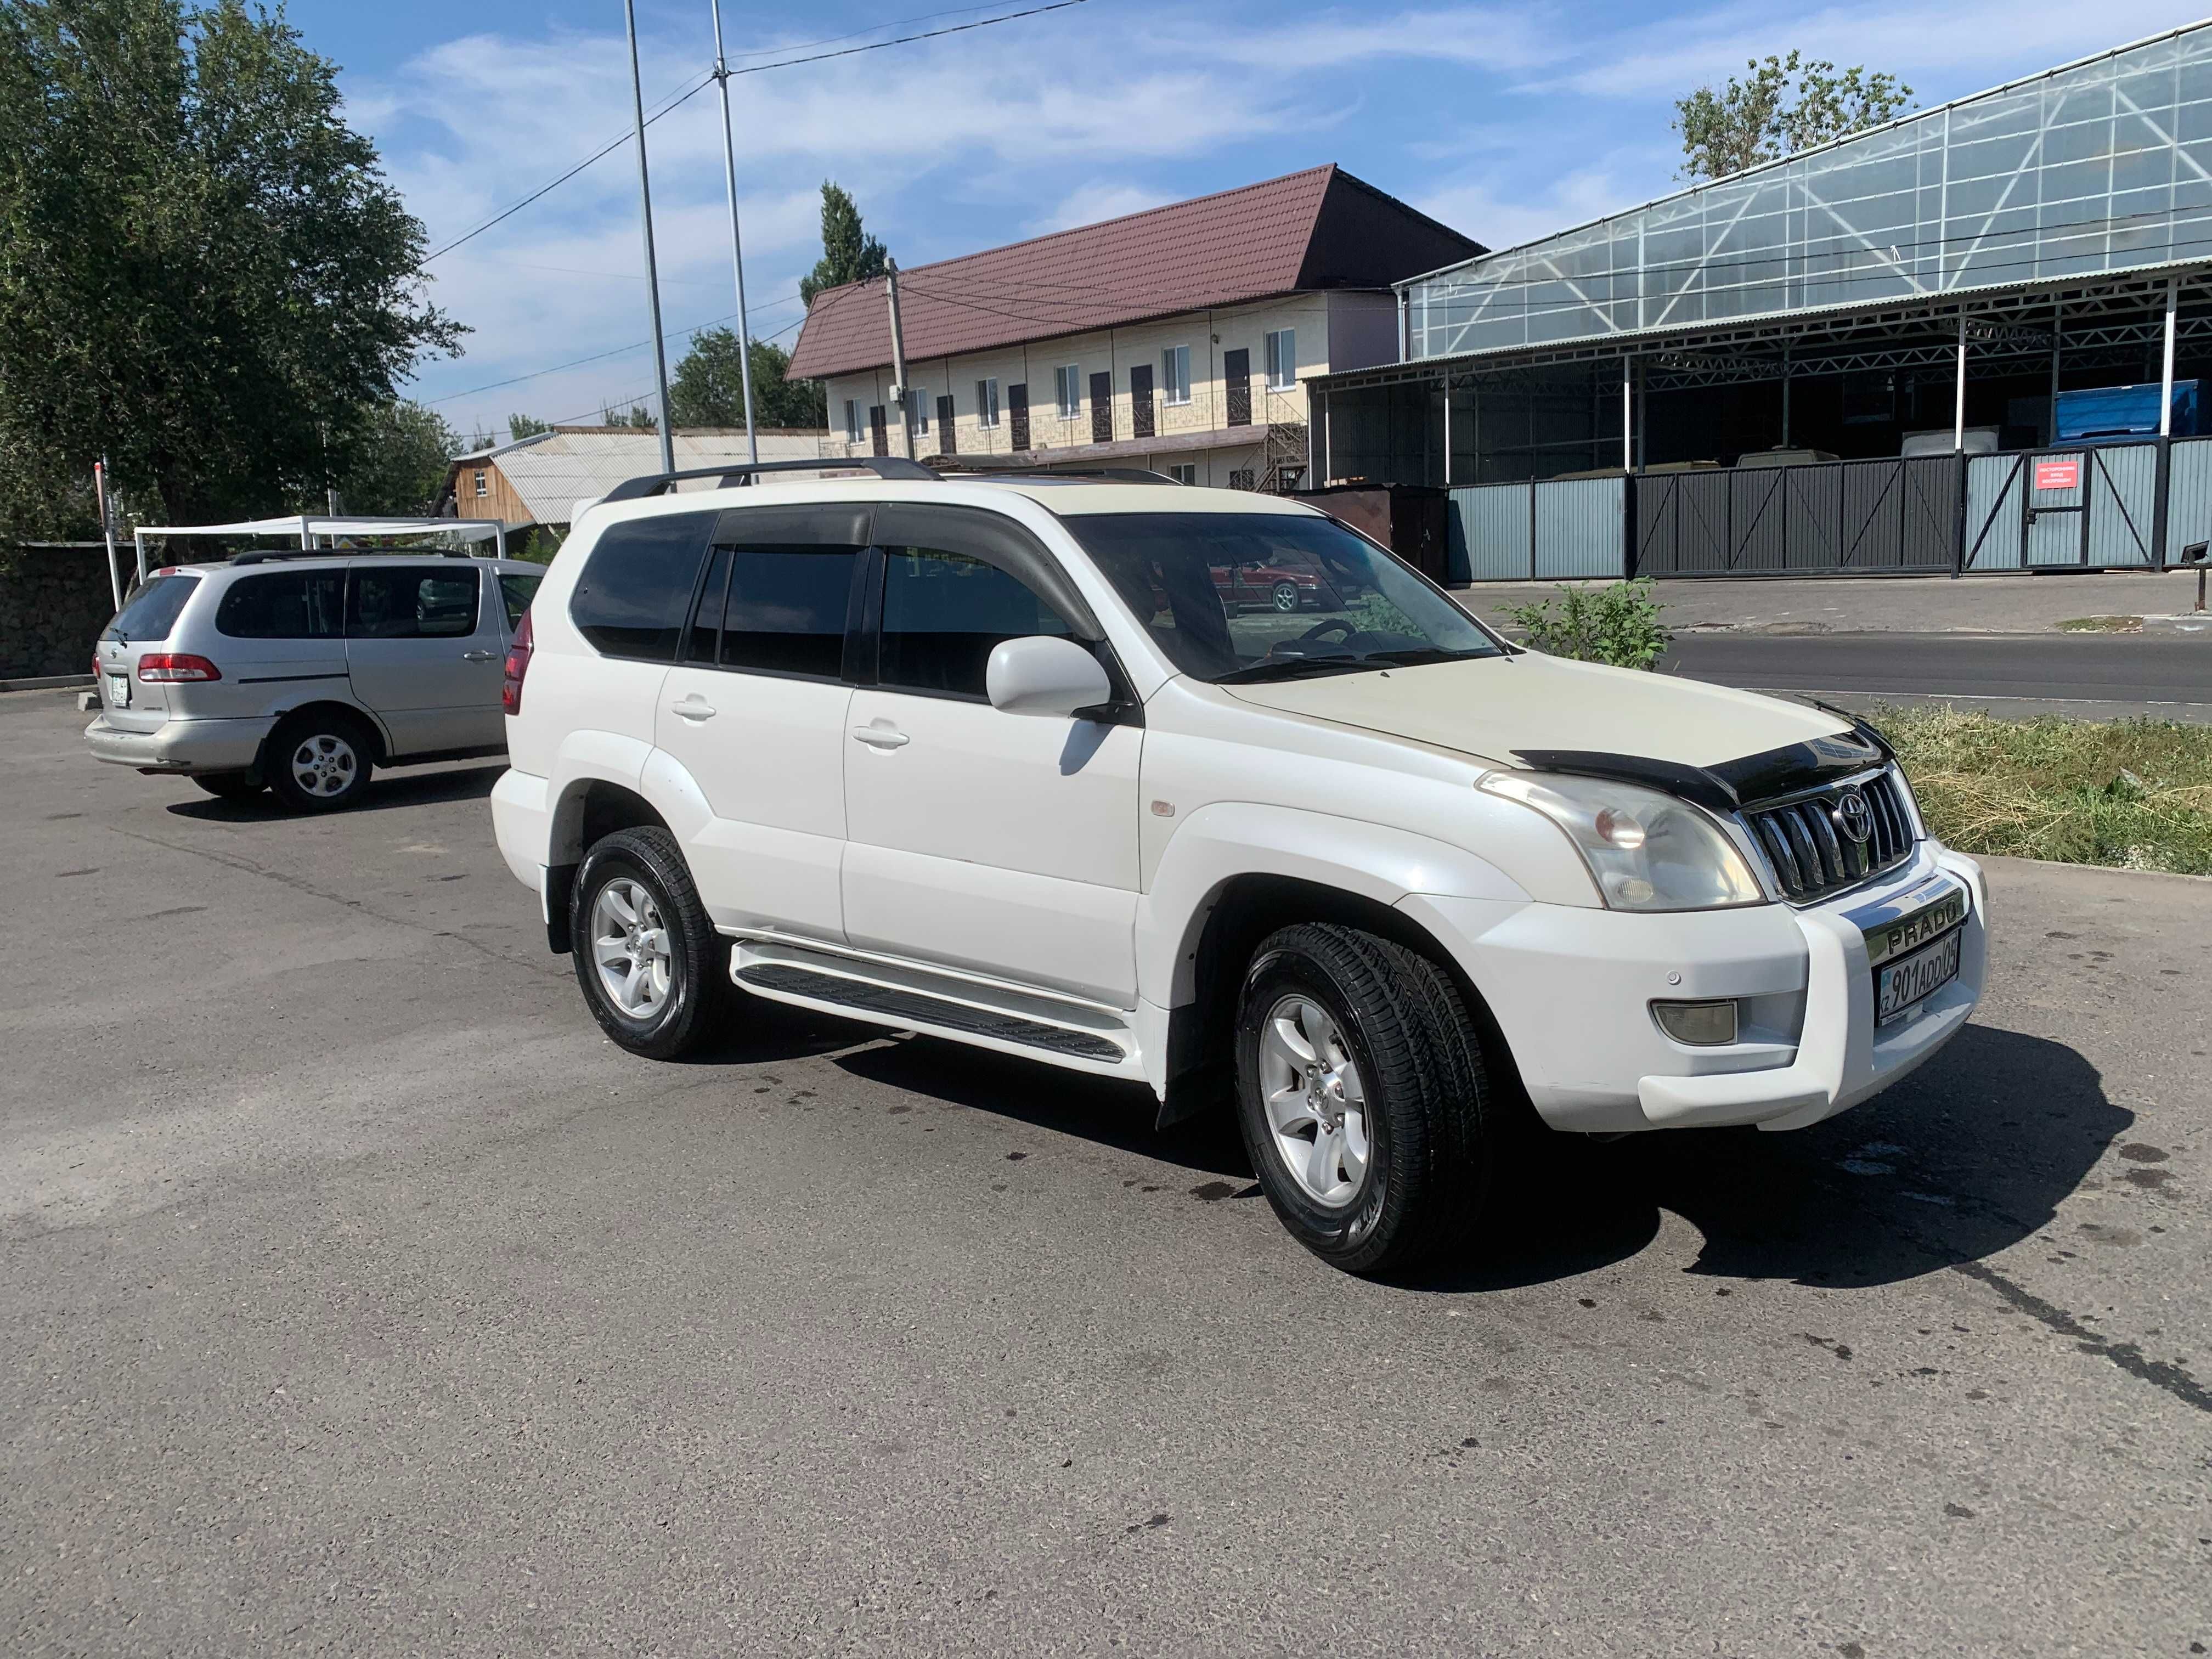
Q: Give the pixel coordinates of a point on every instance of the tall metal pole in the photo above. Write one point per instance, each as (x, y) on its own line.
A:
(2166, 373)
(1959, 393)
(108, 528)
(737, 245)
(652, 272)
(899, 392)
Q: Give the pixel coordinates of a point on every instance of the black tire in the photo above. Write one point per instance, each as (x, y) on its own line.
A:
(228, 785)
(698, 960)
(1285, 598)
(1402, 1024)
(343, 748)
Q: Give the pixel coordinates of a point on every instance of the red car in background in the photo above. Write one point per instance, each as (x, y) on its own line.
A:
(1258, 587)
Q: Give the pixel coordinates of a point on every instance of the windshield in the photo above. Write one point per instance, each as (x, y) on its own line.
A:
(1249, 596)
(152, 611)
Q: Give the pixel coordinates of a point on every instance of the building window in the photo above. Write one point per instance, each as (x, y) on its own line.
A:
(1067, 387)
(852, 420)
(483, 487)
(1175, 374)
(1241, 477)
(1282, 359)
(987, 403)
(917, 408)
(1184, 472)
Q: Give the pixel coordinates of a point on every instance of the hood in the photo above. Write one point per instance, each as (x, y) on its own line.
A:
(1493, 707)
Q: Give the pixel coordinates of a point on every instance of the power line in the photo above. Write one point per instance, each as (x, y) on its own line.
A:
(927, 34)
(616, 351)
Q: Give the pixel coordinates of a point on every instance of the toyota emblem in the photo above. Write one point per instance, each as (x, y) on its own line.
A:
(1853, 816)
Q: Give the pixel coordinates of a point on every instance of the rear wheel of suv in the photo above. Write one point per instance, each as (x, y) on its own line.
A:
(1361, 1094)
(647, 956)
(228, 785)
(318, 761)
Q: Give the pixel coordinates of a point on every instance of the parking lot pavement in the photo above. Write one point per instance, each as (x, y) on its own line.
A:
(360, 1297)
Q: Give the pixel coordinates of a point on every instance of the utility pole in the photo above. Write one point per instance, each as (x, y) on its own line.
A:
(107, 529)
(737, 245)
(898, 360)
(652, 272)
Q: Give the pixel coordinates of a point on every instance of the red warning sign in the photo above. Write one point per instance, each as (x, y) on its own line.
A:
(2063, 473)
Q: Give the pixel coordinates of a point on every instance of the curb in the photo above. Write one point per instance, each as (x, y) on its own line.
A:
(46, 682)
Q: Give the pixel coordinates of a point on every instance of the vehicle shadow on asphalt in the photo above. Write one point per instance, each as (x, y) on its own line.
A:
(1968, 1156)
(386, 792)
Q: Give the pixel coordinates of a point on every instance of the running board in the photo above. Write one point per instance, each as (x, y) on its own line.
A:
(908, 996)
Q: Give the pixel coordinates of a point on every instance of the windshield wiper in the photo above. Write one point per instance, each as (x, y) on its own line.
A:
(1291, 668)
(1422, 658)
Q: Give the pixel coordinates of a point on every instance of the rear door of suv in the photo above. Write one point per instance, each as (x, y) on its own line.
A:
(753, 710)
(424, 646)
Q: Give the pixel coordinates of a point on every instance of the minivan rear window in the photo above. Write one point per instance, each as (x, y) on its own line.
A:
(153, 611)
(634, 595)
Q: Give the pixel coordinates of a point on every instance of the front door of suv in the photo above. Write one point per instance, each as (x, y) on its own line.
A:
(1002, 843)
(755, 711)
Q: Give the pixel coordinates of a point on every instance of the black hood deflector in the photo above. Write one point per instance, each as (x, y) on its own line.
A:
(1732, 784)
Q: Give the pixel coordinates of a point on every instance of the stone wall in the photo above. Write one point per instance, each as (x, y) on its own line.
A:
(53, 602)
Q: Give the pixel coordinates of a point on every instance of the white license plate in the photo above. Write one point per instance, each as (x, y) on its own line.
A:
(1900, 986)
(118, 690)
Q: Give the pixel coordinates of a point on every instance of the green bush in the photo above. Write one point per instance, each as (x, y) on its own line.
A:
(1618, 624)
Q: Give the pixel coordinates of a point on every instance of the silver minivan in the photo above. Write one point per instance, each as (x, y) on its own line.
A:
(301, 673)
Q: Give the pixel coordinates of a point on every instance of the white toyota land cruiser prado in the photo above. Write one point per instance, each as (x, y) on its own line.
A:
(1196, 786)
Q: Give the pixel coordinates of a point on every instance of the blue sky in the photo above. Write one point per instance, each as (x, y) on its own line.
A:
(1505, 121)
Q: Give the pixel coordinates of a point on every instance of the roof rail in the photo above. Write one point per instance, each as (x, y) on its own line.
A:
(742, 473)
(272, 556)
(980, 466)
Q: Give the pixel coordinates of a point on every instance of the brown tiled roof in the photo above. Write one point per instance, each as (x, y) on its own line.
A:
(1320, 228)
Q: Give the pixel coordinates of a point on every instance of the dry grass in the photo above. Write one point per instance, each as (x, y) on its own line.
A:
(2133, 794)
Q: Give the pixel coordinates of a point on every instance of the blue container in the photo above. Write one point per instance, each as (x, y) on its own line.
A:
(2122, 414)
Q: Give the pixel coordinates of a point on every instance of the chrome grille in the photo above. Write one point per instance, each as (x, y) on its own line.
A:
(1811, 858)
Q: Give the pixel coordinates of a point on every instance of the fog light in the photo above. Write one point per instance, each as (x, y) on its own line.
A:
(1701, 1024)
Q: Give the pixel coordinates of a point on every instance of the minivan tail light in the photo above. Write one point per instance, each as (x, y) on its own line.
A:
(176, 666)
(517, 666)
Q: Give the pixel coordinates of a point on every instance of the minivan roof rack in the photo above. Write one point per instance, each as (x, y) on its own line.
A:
(741, 472)
(271, 555)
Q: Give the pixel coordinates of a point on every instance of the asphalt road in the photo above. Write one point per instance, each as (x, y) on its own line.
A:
(360, 1297)
(2166, 675)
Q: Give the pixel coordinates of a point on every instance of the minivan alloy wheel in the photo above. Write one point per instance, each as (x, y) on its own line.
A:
(629, 945)
(1316, 1103)
(323, 764)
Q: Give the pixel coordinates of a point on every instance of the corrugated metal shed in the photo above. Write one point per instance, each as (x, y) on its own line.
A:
(549, 473)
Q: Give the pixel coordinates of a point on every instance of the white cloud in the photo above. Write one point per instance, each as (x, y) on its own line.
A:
(1100, 200)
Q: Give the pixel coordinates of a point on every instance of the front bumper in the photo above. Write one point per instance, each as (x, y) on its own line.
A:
(181, 746)
(1571, 989)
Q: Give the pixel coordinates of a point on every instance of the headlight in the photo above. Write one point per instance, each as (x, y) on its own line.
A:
(1646, 851)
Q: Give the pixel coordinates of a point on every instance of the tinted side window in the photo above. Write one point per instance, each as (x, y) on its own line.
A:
(288, 604)
(634, 591)
(517, 591)
(943, 614)
(785, 612)
(153, 611)
(392, 602)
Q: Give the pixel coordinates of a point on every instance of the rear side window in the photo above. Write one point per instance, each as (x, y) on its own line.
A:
(395, 601)
(153, 611)
(786, 609)
(517, 591)
(286, 604)
(632, 598)
(943, 614)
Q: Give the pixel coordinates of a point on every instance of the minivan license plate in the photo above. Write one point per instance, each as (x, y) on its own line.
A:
(1899, 986)
(118, 690)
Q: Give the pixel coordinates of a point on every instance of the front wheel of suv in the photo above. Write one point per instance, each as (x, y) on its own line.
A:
(1361, 1095)
(647, 955)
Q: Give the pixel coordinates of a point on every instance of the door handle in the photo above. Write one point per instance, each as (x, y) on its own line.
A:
(693, 708)
(879, 737)
(476, 656)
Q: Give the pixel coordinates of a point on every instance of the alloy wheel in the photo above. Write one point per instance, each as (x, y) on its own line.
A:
(629, 945)
(1316, 1101)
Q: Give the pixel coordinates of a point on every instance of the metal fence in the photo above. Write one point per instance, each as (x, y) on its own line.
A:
(2117, 506)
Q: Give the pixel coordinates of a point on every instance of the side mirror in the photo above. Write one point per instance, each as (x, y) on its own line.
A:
(1044, 674)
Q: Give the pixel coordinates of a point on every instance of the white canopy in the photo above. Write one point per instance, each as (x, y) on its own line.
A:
(310, 529)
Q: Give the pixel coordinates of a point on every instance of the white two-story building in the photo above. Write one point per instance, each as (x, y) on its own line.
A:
(1179, 338)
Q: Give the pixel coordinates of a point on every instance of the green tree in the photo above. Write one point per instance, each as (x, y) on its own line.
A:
(849, 254)
(398, 462)
(708, 390)
(639, 416)
(519, 426)
(1783, 106)
(202, 270)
